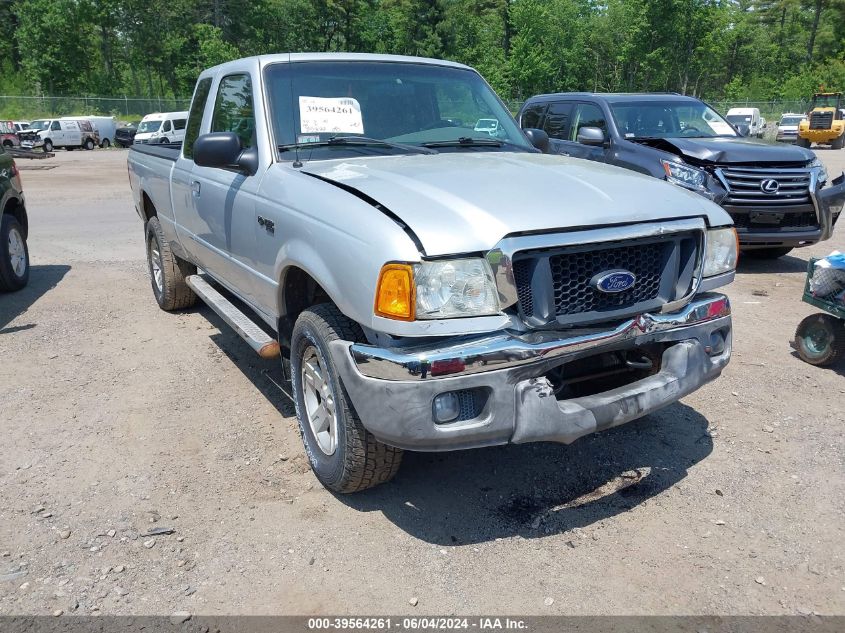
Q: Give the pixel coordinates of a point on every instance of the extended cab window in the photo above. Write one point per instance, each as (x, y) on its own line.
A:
(532, 114)
(588, 115)
(557, 120)
(233, 110)
(195, 116)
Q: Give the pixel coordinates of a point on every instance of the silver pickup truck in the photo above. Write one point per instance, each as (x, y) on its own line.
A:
(430, 280)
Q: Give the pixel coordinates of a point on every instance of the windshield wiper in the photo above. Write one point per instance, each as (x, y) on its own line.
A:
(358, 140)
(467, 141)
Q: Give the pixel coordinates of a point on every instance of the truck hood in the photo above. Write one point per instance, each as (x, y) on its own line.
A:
(467, 202)
(725, 150)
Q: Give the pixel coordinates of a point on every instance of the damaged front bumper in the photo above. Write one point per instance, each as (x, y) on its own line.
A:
(502, 380)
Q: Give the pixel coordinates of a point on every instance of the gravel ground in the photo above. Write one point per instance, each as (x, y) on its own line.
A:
(119, 419)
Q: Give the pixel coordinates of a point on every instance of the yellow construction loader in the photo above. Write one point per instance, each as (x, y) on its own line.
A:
(825, 122)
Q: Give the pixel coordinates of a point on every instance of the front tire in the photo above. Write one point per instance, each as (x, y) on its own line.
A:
(164, 141)
(820, 339)
(14, 255)
(48, 146)
(838, 143)
(167, 272)
(803, 142)
(344, 456)
(105, 144)
(769, 253)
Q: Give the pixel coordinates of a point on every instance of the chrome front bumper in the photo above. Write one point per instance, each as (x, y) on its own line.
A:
(393, 389)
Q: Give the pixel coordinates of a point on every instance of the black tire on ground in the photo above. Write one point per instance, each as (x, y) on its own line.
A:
(802, 142)
(164, 141)
(820, 339)
(8, 144)
(48, 145)
(768, 253)
(13, 276)
(358, 460)
(105, 144)
(838, 143)
(89, 144)
(167, 272)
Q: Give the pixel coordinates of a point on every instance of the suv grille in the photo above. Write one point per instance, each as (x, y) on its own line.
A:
(555, 286)
(747, 186)
(772, 220)
(821, 120)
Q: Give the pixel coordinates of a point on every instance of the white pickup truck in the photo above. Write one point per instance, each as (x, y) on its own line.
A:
(434, 281)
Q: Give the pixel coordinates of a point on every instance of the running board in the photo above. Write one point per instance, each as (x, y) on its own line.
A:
(247, 329)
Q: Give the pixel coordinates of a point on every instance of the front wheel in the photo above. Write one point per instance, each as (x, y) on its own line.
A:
(164, 141)
(820, 339)
(768, 253)
(838, 143)
(105, 144)
(167, 272)
(344, 456)
(803, 142)
(48, 146)
(14, 255)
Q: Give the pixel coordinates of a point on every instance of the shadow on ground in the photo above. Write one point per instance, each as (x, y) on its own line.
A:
(42, 279)
(787, 264)
(528, 490)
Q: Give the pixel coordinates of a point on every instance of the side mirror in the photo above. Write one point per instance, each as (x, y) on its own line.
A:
(538, 139)
(224, 150)
(590, 136)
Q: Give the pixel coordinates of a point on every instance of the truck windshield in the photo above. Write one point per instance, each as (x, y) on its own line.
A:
(791, 120)
(654, 119)
(40, 124)
(408, 104)
(149, 126)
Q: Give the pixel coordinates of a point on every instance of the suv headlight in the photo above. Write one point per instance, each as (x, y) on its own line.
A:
(684, 175)
(437, 290)
(721, 253)
(822, 170)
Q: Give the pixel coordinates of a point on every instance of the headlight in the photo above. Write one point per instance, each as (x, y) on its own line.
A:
(455, 288)
(822, 171)
(684, 175)
(721, 253)
(436, 290)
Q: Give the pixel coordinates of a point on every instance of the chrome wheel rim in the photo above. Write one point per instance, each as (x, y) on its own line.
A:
(319, 401)
(17, 253)
(156, 266)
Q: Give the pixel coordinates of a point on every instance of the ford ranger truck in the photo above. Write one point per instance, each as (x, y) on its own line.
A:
(431, 281)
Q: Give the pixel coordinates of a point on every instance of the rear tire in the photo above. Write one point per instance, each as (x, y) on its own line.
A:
(838, 143)
(344, 456)
(768, 253)
(167, 272)
(105, 144)
(8, 144)
(820, 339)
(89, 144)
(14, 255)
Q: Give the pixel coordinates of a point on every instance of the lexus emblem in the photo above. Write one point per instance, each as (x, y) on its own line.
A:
(769, 185)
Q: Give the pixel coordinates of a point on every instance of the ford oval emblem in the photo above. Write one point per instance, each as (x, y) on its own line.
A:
(612, 281)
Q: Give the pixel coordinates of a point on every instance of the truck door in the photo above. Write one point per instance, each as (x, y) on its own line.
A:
(587, 115)
(556, 125)
(223, 218)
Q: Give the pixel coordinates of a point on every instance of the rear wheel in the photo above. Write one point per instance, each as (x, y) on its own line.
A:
(167, 272)
(344, 456)
(838, 143)
(8, 144)
(768, 253)
(14, 255)
(820, 339)
(105, 144)
(89, 144)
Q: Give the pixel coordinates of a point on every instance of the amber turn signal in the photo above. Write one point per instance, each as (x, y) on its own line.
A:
(395, 293)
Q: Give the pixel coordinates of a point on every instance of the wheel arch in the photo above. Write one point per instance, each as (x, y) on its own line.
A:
(148, 209)
(299, 290)
(15, 208)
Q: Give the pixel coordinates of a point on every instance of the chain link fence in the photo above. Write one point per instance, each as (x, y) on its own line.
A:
(122, 108)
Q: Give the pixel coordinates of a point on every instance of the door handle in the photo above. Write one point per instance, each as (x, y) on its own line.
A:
(195, 188)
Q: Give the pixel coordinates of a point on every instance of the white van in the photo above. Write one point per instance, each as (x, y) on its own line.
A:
(69, 134)
(104, 125)
(162, 127)
(749, 117)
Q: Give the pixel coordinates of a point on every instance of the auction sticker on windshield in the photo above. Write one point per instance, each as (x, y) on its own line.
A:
(319, 115)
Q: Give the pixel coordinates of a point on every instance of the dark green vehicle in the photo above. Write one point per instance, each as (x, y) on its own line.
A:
(14, 256)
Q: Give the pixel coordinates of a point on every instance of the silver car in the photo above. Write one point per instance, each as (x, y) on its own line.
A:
(428, 286)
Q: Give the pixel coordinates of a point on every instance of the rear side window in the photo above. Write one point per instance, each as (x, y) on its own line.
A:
(192, 130)
(178, 124)
(557, 120)
(531, 115)
(589, 115)
(233, 110)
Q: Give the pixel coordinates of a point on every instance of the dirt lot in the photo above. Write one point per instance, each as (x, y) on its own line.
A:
(118, 418)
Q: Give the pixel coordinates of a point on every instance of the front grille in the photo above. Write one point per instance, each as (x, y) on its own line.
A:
(821, 120)
(556, 286)
(572, 272)
(746, 185)
(788, 221)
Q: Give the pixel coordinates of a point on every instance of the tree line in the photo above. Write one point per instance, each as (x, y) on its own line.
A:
(716, 49)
